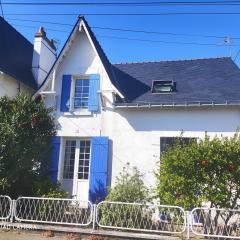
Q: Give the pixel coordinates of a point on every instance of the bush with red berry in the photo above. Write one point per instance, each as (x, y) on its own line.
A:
(205, 170)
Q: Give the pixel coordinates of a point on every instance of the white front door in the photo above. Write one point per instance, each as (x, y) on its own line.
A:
(77, 167)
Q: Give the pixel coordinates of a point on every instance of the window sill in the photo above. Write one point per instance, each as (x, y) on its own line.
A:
(78, 113)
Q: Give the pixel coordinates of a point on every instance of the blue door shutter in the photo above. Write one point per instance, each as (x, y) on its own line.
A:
(98, 169)
(55, 158)
(93, 99)
(65, 95)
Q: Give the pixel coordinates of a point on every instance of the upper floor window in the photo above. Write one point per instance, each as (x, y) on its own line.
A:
(81, 94)
(162, 86)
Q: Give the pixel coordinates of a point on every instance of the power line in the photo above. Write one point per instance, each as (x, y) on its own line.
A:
(235, 58)
(141, 4)
(137, 39)
(38, 21)
(126, 30)
(162, 33)
(50, 29)
(166, 42)
(1, 5)
(124, 14)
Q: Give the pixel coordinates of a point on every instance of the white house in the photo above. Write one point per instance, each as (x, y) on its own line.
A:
(21, 66)
(110, 114)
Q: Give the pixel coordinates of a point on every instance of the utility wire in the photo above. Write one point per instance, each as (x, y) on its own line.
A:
(141, 4)
(1, 5)
(166, 42)
(50, 29)
(123, 14)
(138, 39)
(235, 58)
(124, 29)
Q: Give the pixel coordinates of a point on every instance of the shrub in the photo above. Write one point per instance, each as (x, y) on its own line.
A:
(26, 130)
(129, 188)
(203, 171)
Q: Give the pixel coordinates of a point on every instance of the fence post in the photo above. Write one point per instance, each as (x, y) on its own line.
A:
(13, 206)
(188, 219)
(94, 216)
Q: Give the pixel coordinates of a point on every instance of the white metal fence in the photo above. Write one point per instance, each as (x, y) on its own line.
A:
(141, 217)
(212, 222)
(149, 218)
(53, 211)
(5, 207)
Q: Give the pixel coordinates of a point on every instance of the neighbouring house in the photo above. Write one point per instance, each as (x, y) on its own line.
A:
(108, 114)
(21, 66)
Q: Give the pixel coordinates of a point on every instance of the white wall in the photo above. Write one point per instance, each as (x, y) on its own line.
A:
(134, 133)
(43, 58)
(11, 87)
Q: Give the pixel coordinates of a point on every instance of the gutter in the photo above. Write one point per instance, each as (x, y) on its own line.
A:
(173, 105)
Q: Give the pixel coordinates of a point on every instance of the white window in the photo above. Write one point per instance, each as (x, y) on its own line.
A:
(69, 159)
(79, 93)
(77, 158)
(84, 159)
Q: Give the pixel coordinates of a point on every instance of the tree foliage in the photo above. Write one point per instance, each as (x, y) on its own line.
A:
(26, 130)
(203, 171)
(129, 187)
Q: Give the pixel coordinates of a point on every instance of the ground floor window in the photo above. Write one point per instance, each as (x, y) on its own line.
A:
(77, 159)
(170, 141)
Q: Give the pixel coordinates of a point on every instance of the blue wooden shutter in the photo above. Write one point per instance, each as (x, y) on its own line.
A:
(65, 95)
(98, 169)
(55, 158)
(93, 99)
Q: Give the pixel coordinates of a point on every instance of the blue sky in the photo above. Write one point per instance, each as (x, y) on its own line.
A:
(119, 50)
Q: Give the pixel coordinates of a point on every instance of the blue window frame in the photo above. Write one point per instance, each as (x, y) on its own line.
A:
(81, 93)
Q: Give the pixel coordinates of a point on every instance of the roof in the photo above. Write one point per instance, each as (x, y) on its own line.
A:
(106, 63)
(198, 81)
(16, 54)
(212, 80)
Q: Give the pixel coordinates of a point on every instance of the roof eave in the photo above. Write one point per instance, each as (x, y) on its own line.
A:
(173, 105)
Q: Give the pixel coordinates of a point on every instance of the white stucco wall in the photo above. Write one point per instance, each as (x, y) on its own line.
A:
(134, 133)
(43, 58)
(11, 87)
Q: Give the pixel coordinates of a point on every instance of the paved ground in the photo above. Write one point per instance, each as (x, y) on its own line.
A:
(24, 235)
(17, 235)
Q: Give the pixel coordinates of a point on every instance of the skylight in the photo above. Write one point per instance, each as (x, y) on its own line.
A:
(162, 86)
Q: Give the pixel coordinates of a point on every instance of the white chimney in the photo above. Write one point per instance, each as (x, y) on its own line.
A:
(44, 55)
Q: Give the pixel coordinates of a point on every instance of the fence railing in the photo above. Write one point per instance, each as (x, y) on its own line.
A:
(5, 207)
(141, 217)
(148, 218)
(53, 211)
(212, 222)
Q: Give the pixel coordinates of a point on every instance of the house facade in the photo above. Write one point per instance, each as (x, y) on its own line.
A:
(108, 115)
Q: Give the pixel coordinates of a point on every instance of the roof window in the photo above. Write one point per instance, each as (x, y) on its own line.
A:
(162, 86)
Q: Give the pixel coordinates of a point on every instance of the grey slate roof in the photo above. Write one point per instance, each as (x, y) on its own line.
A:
(16, 54)
(214, 80)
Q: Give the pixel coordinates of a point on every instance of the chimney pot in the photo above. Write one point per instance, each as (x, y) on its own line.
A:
(41, 32)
